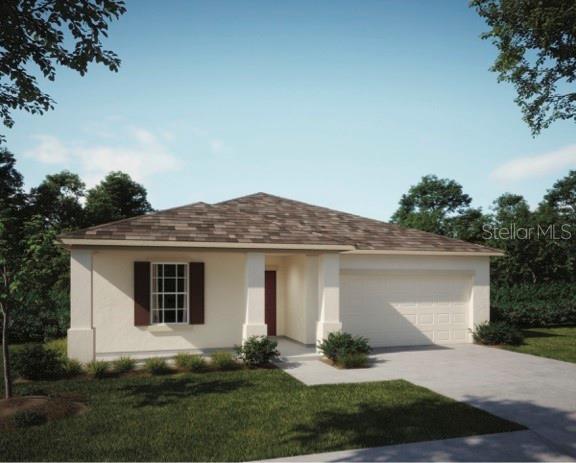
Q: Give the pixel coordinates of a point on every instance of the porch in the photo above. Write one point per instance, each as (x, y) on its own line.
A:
(294, 296)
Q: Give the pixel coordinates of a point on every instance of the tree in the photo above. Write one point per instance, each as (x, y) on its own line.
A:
(116, 197)
(49, 33)
(57, 201)
(562, 196)
(536, 41)
(429, 204)
(12, 201)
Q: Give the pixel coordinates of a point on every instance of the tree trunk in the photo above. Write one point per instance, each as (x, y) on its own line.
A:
(6, 355)
(5, 351)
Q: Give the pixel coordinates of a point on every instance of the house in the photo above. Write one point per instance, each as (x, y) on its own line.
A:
(207, 276)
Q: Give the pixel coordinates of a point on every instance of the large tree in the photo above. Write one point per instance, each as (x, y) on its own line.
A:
(430, 204)
(536, 41)
(44, 33)
(57, 200)
(116, 197)
(12, 202)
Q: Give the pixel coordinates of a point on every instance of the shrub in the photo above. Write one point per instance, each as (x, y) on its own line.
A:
(60, 346)
(157, 366)
(340, 344)
(223, 361)
(491, 333)
(27, 418)
(257, 351)
(189, 362)
(533, 305)
(36, 362)
(123, 365)
(72, 368)
(355, 360)
(98, 368)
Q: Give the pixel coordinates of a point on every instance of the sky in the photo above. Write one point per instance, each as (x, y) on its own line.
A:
(337, 103)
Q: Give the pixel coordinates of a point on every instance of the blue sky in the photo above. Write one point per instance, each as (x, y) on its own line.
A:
(338, 103)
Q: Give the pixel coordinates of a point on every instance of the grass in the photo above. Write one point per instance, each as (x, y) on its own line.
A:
(237, 415)
(555, 343)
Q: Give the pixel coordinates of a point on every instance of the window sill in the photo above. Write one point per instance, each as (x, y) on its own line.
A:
(167, 328)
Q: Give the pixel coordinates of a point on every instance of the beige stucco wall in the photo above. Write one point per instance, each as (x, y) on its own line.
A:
(113, 306)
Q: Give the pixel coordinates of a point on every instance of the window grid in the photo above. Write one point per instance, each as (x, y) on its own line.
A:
(169, 293)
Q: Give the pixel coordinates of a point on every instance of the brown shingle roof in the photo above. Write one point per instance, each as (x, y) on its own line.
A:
(268, 219)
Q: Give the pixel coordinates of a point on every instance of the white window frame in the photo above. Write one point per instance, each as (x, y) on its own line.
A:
(185, 293)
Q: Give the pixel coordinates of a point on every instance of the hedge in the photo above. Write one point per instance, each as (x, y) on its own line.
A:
(534, 305)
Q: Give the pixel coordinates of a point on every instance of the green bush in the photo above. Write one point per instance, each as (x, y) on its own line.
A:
(258, 351)
(123, 365)
(72, 368)
(534, 305)
(35, 362)
(493, 333)
(189, 362)
(356, 360)
(157, 366)
(27, 418)
(98, 368)
(60, 346)
(223, 361)
(340, 344)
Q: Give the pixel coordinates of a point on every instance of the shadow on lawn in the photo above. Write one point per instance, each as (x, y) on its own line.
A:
(532, 333)
(171, 391)
(376, 428)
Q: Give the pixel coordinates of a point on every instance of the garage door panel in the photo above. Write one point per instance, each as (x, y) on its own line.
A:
(393, 309)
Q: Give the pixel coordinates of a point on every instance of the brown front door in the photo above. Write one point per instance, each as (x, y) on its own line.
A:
(270, 301)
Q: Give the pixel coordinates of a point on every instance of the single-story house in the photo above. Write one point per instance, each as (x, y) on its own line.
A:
(207, 276)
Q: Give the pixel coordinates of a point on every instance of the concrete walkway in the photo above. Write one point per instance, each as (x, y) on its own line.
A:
(512, 446)
(536, 392)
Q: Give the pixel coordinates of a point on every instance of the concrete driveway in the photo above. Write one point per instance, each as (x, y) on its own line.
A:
(536, 392)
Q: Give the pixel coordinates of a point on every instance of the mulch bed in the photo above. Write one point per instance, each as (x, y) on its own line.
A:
(50, 408)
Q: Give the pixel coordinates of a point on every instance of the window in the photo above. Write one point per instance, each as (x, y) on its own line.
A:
(169, 293)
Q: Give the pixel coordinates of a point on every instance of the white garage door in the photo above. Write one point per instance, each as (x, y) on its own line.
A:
(404, 309)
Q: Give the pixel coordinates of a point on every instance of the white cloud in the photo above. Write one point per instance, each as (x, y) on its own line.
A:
(49, 150)
(536, 166)
(216, 146)
(139, 153)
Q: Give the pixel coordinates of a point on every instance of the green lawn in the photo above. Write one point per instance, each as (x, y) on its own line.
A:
(237, 415)
(554, 343)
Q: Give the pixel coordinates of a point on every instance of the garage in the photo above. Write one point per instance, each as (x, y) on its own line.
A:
(406, 308)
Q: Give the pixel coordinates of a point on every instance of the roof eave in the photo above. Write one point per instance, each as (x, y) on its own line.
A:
(399, 252)
(87, 242)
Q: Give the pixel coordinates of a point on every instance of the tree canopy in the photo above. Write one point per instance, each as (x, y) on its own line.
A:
(67, 33)
(116, 197)
(536, 41)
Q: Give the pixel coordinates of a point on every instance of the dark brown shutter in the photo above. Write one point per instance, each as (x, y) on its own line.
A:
(141, 293)
(196, 293)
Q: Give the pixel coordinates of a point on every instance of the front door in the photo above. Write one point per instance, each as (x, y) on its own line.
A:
(270, 302)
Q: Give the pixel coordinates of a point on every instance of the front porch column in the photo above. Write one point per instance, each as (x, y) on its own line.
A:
(81, 332)
(254, 323)
(328, 296)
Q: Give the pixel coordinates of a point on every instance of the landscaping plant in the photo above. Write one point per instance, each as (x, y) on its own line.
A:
(72, 368)
(157, 366)
(494, 333)
(352, 360)
(38, 363)
(190, 362)
(338, 344)
(123, 365)
(98, 368)
(223, 361)
(258, 351)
